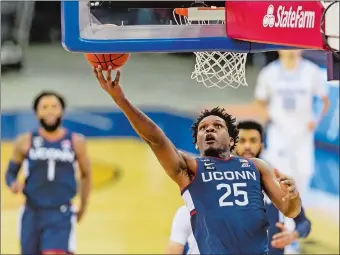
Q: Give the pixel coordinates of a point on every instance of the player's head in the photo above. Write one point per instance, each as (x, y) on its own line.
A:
(49, 108)
(215, 132)
(250, 142)
(290, 55)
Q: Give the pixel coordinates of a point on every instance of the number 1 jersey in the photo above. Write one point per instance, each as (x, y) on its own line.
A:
(226, 205)
(49, 170)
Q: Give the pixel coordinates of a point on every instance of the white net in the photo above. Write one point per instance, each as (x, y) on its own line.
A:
(215, 68)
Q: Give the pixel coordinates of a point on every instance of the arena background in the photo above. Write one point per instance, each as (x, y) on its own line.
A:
(133, 200)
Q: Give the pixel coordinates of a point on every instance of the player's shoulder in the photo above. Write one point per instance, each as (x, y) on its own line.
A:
(312, 72)
(77, 137)
(182, 215)
(310, 68)
(23, 141)
(259, 163)
(263, 166)
(309, 64)
(78, 142)
(24, 137)
(183, 211)
(271, 69)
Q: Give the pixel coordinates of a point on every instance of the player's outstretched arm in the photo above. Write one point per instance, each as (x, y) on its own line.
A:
(20, 148)
(83, 159)
(176, 164)
(280, 189)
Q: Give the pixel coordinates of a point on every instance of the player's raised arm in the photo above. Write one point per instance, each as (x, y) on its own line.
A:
(280, 189)
(177, 165)
(20, 148)
(85, 172)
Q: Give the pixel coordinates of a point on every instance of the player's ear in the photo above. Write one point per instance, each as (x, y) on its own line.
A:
(196, 146)
(232, 142)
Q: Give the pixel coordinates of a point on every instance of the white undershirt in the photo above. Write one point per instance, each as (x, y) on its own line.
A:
(181, 231)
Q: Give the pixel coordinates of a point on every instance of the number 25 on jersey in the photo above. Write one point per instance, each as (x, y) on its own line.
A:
(240, 196)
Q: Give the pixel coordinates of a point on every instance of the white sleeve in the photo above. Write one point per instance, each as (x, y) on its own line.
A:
(319, 82)
(181, 226)
(262, 88)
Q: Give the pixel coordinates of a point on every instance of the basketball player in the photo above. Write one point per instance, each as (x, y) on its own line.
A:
(182, 240)
(50, 154)
(250, 145)
(222, 192)
(284, 94)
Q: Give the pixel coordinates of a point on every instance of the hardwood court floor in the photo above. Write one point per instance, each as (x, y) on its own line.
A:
(132, 205)
(131, 214)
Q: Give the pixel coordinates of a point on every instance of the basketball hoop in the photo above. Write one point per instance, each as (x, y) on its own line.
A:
(216, 68)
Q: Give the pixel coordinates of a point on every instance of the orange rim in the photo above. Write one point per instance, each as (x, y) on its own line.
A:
(184, 11)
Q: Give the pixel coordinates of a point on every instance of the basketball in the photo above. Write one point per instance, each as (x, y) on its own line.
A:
(105, 60)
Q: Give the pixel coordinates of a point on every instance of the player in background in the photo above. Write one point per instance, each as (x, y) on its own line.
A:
(182, 240)
(222, 192)
(49, 155)
(284, 94)
(251, 145)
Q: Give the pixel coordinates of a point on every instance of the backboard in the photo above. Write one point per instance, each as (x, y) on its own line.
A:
(232, 26)
(149, 26)
(118, 26)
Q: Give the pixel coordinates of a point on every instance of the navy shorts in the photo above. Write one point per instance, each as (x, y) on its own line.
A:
(47, 230)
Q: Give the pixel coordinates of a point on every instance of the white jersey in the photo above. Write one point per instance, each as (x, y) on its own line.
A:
(181, 231)
(290, 93)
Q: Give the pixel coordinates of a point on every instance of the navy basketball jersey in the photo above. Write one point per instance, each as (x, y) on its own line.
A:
(226, 205)
(50, 171)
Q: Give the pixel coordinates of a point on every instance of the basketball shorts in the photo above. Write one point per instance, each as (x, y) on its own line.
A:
(47, 230)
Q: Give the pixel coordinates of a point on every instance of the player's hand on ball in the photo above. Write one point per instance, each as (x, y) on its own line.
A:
(287, 184)
(284, 238)
(112, 87)
(16, 187)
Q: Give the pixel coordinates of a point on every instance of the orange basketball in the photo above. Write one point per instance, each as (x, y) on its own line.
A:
(105, 60)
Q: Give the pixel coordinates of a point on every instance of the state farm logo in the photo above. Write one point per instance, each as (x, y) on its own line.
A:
(269, 19)
(289, 18)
